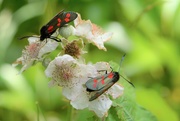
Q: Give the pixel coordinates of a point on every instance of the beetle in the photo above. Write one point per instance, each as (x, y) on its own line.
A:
(56, 22)
(98, 85)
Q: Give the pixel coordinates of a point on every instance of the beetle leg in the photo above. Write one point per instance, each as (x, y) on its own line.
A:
(55, 38)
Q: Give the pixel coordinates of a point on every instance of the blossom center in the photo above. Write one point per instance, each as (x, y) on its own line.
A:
(32, 51)
(63, 74)
(72, 49)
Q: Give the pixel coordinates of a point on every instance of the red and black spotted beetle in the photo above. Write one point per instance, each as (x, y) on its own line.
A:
(98, 85)
(56, 22)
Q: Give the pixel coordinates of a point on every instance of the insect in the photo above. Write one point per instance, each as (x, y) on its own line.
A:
(56, 22)
(98, 85)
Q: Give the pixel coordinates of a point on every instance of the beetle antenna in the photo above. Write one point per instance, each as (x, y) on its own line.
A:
(27, 37)
(127, 80)
(119, 70)
(121, 61)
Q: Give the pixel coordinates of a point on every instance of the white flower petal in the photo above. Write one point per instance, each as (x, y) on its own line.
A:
(115, 91)
(91, 32)
(33, 39)
(99, 40)
(17, 62)
(81, 101)
(48, 47)
(87, 71)
(100, 66)
(49, 70)
(101, 105)
(83, 29)
(77, 20)
(26, 66)
(64, 58)
(72, 92)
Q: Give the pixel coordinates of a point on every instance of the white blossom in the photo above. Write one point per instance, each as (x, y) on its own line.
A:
(67, 72)
(34, 52)
(90, 31)
(102, 104)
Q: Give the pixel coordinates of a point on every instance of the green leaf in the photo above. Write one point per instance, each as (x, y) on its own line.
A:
(129, 110)
(144, 115)
(125, 108)
(153, 101)
(112, 115)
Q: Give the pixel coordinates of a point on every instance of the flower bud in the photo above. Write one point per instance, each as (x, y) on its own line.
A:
(66, 31)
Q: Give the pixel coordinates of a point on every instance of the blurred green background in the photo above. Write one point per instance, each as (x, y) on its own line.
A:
(147, 30)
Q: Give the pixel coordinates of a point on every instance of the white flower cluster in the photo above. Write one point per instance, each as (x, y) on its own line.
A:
(68, 69)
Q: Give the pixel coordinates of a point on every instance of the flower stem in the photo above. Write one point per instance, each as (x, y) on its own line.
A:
(71, 116)
(37, 106)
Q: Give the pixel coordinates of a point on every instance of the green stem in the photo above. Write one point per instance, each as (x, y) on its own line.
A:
(71, 116)
(37, 111)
